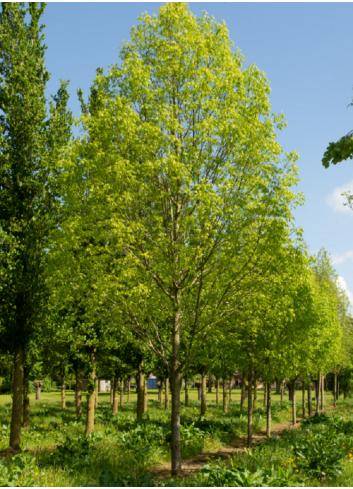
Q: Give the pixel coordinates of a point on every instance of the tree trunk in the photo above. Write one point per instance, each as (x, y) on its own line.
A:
(303, 399)
(250, 381)
(145, 399)
(322, 393)
(112, 390)
(203, 392)
(317, 393)
(255, 394)
(140, 391)
(186, 393)
(217, 391)
(26, 397)
(335, 388)
(91, 393)
(78, 394)
(176, 381)
(278, 386)
(268, 420)
(294, 407)
(310, 406)
(122, 393)
(166, 401)
(210, 383)
(282, 390)
(15, 433)
(230, 390)
(338, 390)
(242, 398)
(63, 390)
(115, 396)
(290, 391)
(225, 404)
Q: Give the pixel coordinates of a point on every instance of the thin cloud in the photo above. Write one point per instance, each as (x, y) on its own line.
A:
(336, 201)
(343, 284)
(339, 258)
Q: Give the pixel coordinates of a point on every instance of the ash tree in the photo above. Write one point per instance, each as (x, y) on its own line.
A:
(180, 176)
(30, 142)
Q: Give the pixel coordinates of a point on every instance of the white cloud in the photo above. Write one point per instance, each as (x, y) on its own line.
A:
(343, 284)
(336, 200)
(339, 258)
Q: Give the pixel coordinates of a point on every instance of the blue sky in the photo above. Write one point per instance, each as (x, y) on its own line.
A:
(305, 49)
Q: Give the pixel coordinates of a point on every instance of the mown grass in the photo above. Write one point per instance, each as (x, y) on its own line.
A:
(120, 443)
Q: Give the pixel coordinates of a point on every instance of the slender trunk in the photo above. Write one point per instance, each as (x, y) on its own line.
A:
(91, 393)
(122, 393)
(15, 433)
(128, 391)
(242, 398)
(294, 407)
(225, 404)
(322, 393)
(217, 391)
(317, 393)
(186, 393)
(78, 394)
(176, 383)
(112, 390)
(140, 391)
(255, 394)
(115, 396)
(26, 397)
(203, 392)
(278, 386)
(145, 399)
(166, 402)
(210, 383)
(268, 420)
(230, 390)
(265, 394)
(282, 390)
(250, 381)
(161, 391)
(63, 390)
(335, 389)
(310, 406)
(303, 400)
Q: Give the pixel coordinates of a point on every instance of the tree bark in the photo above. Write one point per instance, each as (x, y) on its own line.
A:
(122, 393)
(210, 383)
(186, 393)
(268, 420)
(115, 396)
(310, 406)
(26, 397)
(225, 404)
(217, 391)
(242, 398)
(322, 393)
(145, 399)
(63, 390)
(250, 381)
(203, 392)
(335, 388)
(278, 386)
(15, 430)
(303, 399)
(176, 383)
(112, 390)
(91, 394)
(294, 407)
(140, 391)
(166, 400)
(78, 394)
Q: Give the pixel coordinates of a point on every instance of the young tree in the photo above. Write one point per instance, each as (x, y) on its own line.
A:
(30, 142)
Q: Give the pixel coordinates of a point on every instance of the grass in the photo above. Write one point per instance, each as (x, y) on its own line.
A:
(59, 454)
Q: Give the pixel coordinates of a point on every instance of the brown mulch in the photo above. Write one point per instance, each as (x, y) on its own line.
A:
(193, 464)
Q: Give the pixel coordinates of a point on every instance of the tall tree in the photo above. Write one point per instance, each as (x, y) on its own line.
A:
(30, 144)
